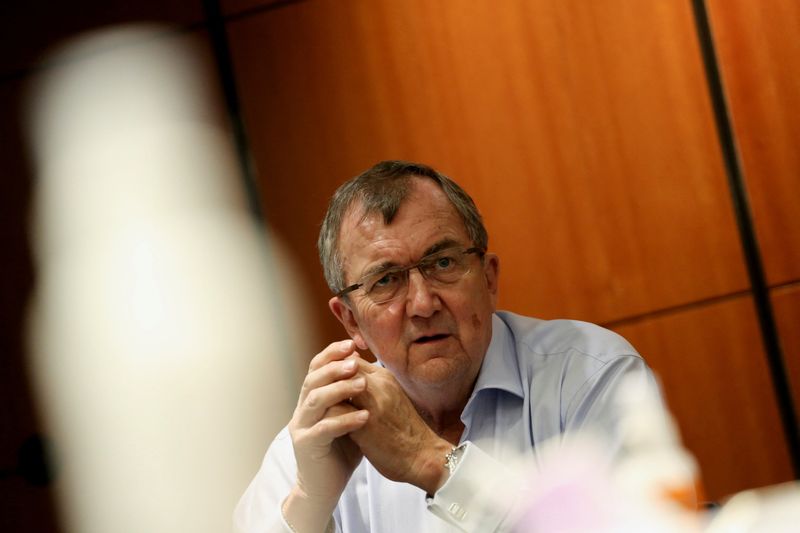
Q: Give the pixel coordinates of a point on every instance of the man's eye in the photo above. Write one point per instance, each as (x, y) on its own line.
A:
(387, 280)
(444, 262)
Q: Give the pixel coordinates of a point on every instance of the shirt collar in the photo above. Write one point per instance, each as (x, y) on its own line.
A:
(500, 368)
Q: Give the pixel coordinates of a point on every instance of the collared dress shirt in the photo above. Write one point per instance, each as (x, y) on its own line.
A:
(539, 380)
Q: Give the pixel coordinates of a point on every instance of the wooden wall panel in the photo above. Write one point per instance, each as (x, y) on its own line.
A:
(582, 130)
(786, 305)
(713, 369)
(234, 7)
(759, 53)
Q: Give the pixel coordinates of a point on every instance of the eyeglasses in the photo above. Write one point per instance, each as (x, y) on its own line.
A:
(444, 267)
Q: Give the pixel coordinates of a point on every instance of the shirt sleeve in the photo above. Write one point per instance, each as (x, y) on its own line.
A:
(479, 495)
(594, 406)
(259, 509)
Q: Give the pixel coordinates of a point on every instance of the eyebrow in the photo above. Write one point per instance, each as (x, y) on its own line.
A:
(388, 265)
(441, 245)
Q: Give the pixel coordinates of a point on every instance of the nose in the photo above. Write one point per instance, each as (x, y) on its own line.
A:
(421, 299)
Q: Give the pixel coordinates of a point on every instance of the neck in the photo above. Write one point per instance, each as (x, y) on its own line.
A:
(441, 407)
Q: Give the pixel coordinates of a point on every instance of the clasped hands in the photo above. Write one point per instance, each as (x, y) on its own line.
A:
(349, 409)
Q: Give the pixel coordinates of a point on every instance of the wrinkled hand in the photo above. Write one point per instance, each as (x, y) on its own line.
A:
(325, 456)
(395, 439)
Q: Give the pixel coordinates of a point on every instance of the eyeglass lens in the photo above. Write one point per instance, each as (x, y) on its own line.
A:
(444, 267)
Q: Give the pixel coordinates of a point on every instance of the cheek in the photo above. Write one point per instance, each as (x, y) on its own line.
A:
(383, 328)
(476, 321)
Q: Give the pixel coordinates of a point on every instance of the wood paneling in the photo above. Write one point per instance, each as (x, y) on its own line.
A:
(786, 305)
(233, 7)
(759, 53)
(582, 129)
(713, 369)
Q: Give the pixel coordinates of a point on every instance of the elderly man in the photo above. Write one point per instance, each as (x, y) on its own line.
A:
(460, 391)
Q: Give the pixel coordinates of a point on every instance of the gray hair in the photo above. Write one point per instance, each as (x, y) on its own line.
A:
(382, 189)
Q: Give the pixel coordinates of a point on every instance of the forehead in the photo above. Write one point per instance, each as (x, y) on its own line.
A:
(425, 217)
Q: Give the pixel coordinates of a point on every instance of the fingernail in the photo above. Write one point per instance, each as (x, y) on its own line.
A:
(360, 382)
(362, 415)
(349, 365)
(346, 345)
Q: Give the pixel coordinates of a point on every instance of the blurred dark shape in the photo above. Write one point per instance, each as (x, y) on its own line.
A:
(34, 461)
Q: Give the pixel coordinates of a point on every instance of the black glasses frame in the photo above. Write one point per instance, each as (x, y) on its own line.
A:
(474, 250)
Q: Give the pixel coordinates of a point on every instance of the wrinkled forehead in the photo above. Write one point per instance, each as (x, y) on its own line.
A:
(422, 202)
(423, 218)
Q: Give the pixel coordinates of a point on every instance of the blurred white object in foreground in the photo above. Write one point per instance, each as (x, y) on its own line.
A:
(648, 484)
(773, 509)
(653, 468)
(162, 328)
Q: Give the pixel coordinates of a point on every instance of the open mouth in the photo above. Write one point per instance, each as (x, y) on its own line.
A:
(431, 338)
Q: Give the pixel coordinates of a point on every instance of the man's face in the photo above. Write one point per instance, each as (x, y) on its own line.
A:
(432, 335)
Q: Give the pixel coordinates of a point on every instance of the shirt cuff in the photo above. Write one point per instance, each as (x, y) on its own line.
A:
(289, 528)
(478, 495)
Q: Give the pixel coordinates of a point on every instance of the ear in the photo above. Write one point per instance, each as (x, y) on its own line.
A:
(491, 271)
(341, 310)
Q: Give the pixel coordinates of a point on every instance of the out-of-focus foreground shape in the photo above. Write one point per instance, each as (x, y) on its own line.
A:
(646, 484)
(162, 329)
(774, 509)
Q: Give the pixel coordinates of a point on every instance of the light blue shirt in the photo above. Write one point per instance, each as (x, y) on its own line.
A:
(539, 379)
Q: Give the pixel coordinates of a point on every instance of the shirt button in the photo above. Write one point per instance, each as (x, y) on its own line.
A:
(457, 511)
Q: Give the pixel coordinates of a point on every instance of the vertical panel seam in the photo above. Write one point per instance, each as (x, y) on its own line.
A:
(224, 64)
(747, 234)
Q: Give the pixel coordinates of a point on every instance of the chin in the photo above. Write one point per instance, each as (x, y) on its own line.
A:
(437, 370)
